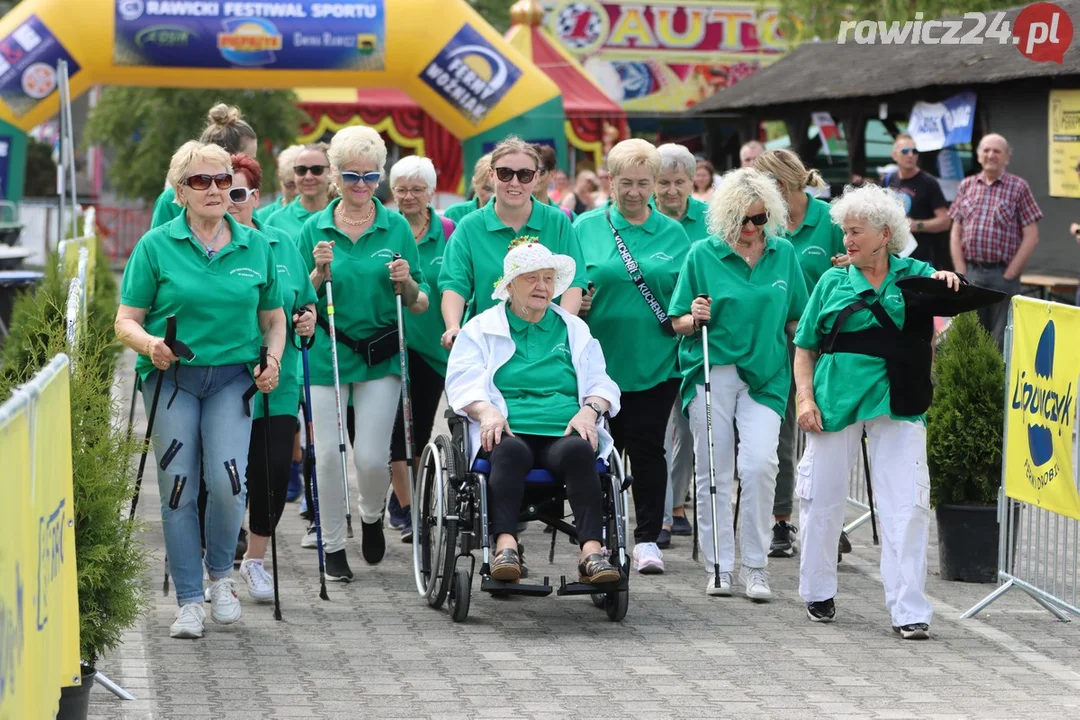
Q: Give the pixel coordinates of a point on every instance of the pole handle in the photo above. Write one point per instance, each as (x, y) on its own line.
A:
(702, 296)
(263, 352)
(398, 290)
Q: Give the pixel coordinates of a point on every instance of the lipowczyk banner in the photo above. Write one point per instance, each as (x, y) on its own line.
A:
(270, 34)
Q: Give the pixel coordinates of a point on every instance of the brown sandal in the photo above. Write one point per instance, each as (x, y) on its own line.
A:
(506, 565)
(596, 570)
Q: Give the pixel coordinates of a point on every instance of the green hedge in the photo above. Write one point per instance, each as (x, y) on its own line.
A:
(111, 560)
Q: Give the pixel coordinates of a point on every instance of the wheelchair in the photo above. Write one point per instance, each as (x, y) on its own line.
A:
(450, 522)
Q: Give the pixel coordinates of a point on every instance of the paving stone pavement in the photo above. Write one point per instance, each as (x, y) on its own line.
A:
(376, 650)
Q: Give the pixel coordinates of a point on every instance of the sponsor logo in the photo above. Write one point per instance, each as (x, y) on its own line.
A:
(38, 80)
(130, 9)
(1048, 407)
(470, 74)
(165, 36)
(249, 41)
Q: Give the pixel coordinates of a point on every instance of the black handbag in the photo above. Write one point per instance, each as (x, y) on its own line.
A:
(376, 348)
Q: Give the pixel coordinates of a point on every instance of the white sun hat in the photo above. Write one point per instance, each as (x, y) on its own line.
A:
(529, 257)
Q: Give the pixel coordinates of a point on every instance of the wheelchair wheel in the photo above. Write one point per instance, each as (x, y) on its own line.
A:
(460, 595)
(434, 538)
(616, 604)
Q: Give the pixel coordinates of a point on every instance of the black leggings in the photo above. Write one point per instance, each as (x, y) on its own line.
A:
(425, 391)
(570, 459)
(639, 430)
(266, 507)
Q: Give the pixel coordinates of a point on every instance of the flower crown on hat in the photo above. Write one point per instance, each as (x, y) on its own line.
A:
(517, 242)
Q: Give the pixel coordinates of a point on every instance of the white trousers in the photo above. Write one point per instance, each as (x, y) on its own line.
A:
(901, 485)
(759, 432)
(375, 403)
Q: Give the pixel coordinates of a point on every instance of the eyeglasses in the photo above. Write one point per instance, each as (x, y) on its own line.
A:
(759, 219)
(202, 182)
(908, 151)
(290, 186)
(415, 192)
(351, 178)
(506, 174)
(302, 170)
(240, 195)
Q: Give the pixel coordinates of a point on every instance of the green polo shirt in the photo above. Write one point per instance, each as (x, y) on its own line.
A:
(816, 241)
(473, 262)
(693, 220)
(750, 308)
(261, 215)
(215, 300)
(424, 332)
(459, 210)
(296, 292)
(539, 383)
(363, 294)
(290, 219)
(849, 387)
(640, 354)
(165, 208)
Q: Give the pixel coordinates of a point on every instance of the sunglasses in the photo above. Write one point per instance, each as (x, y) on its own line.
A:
(351, 178)
(759, 219)
(506, 174)
(202, 182)
(316, 170)
(240, 195)
(908, 151)
(290, 186)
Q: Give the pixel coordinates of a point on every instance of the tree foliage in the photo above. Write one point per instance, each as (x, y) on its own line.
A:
(143, 127)
(964, 423)
(496, 12)
(822, 18)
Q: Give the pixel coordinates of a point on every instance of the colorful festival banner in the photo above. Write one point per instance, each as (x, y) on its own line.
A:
(267, 34)
(39, 604)
(666, 55)
(28, 60)
(1040, 409)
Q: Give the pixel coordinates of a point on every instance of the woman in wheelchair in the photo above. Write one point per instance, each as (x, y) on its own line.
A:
(533, 381)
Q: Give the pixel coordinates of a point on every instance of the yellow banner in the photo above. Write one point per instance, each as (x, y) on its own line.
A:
(1040, 410)
(1064, 146)
(39, 604)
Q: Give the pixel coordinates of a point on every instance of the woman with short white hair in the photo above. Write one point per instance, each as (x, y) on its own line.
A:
(633, 255)
(286, 178)
(753, 287)
(843, 388)
(353, 243)
(412, 182)
(673, 198)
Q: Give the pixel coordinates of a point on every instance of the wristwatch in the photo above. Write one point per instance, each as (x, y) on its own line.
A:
(919, 226)
(595, 407)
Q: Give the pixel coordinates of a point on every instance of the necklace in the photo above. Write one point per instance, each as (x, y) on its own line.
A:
(357, 223)
(209, 247)
(424, 229)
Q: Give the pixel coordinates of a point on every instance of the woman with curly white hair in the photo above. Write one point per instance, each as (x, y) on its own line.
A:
(852, 321)
(754, 288)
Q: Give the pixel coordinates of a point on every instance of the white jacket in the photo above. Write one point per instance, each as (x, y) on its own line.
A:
(485, 345)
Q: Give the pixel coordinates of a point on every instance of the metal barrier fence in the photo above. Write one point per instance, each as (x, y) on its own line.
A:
(75, 259)
(859, 496)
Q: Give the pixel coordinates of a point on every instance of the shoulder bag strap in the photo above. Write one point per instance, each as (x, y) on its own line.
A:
(841, 318)
(634, 271)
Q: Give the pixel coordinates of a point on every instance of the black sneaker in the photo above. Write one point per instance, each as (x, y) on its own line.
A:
(783, 540)
(822, 611)
(680, 525)
(914, 631)
(337, 567)
(663, 540)
(372, 542)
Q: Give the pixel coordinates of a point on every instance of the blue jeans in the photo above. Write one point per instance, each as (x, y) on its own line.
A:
(207, 424)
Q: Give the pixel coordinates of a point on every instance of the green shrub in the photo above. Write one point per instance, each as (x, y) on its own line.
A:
(111, 562)
(966, 421)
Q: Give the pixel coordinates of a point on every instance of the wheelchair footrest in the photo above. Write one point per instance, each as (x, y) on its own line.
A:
(580, 588)
(489, 584)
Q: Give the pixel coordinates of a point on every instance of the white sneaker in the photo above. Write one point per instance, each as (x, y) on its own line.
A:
(224, 602)
(259, 583)
(756, 581)
(311, 539)
(189, 621)
(724, 589)
(648, 560)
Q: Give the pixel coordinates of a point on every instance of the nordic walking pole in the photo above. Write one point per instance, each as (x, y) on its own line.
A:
(337, 401)
(406, 401)
(712, 462)
(869, 487)
(131, 410)
(309, 458)
(170, 336)
(263, 352)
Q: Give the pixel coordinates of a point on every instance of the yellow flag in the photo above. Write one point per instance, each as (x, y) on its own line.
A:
(1040, 409)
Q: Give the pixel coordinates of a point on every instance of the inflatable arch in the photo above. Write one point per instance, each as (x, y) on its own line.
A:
(441, 52)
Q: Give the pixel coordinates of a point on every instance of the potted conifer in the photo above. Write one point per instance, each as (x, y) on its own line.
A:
(963, 448)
